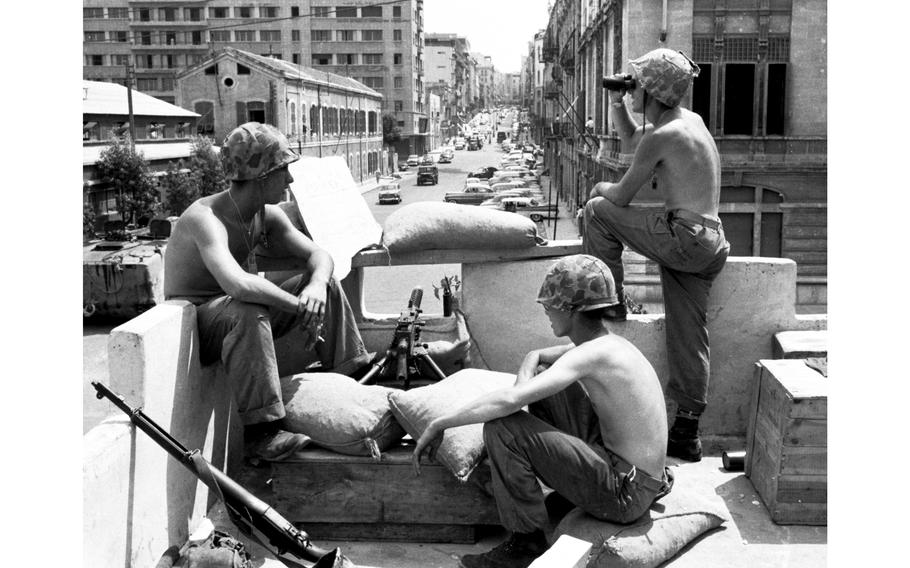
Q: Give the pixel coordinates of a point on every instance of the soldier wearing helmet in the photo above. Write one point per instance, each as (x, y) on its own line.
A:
(210, 261)
(596, 426)
(676, 157)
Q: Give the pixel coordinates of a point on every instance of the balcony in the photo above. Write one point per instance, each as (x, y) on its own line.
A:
(548, 54)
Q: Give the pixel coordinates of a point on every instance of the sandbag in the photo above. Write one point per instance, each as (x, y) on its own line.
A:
(437, 225)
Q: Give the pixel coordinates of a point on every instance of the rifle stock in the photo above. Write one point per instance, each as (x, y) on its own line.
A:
(247, 510)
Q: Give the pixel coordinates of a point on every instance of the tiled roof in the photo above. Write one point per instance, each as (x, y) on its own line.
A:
(110, 98)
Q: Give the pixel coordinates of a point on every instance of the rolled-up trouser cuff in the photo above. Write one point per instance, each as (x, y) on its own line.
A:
(268, 413)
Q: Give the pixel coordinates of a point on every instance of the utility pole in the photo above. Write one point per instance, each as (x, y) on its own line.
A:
(129, 102)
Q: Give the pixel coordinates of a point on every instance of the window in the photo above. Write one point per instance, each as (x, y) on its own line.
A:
(90, 131)
(322, 59)
(167, 83)
(145, 14)
(147, 84)
(220, 35)
(243, 12)
(119, 36)
(372, 82)
(118, 13)
(95, 60)
(120, 59)
(206, 112)
(396, 35)
(347, 59)
(193, 58)
(399, 106)
(776, 99)
(167, 14)
(396, 59)
(398, 82)
(255, 111)
(295, 11)
(292, 112)
(321, 11)
(701, 94)
(196, 38)
(168, 62)
(345, 12)
(396, 12)
(314, 119)
(371, 35)
(211, 69)
(371, 121)
(321, 35)
(218, 12)
(744, 208)
(242, 69)
(372, 59)
(192, 14)
(93, 36)
(244, 35)
(739, 85)
(269, 35)
(295, 58)
(295, 35)
(92, 13)
(344, 35)
(371, 12)
(145, 61)
(170, 38)
(400, 123)
(268, 11)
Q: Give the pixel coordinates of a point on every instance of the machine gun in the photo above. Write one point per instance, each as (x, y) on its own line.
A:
(245, 509)
(406, 349)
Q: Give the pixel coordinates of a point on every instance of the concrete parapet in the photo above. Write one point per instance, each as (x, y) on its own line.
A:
(154, 365)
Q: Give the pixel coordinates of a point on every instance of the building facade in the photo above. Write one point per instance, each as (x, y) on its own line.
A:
(379, 45)
(321, 113)
(761, 92)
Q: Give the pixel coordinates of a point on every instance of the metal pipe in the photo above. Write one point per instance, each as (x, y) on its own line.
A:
(663, 23)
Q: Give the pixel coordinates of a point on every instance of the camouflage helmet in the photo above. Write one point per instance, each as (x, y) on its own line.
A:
(254, 150)
(665, 74)
(578, 283)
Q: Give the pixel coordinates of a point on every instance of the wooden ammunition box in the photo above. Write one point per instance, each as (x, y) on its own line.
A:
(787, 439)
(338, 497)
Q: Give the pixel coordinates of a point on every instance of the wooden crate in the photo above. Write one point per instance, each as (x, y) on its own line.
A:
(787, 441)
(339, 497)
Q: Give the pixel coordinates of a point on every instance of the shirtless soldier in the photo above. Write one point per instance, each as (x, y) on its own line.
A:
(686, 239)
(597, 427)
(210, 262)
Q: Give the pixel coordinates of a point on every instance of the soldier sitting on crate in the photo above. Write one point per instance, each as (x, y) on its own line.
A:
(210, 261)
(596, 430)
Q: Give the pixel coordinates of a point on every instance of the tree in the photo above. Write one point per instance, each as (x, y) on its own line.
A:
(205, 167)
(391, 133)
(127, 173)
(88, 219)
(180, 190)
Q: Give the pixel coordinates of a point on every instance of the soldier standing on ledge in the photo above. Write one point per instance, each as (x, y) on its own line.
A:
(686, 239)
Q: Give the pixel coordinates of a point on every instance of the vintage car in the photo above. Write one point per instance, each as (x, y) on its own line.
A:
(446, 156)
(527, 206)
(413, 160)
(389, 192)
(474, 143)
(483, 173)
(427, 173)
(473, 194)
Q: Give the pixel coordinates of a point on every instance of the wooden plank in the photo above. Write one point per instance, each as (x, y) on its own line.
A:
(802, 489)
(806, 433)
(808, 218)
(764, 475)
(803, 461)
(815, 407)
(808, 257)
(757, 371)
(769, 436)
(794, 232)
(464, 534)
(799, 513)
(804, 244)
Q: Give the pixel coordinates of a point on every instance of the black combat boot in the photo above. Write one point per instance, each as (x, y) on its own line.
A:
(518, 551)
(683, 441)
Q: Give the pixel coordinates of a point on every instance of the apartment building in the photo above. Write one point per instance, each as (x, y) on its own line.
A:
(449, 60)
(380, 46)
(761, 92)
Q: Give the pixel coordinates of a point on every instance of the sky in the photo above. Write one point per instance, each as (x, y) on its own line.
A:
(498, 28)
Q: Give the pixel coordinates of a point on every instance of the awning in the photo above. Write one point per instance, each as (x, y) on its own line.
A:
(88, 125)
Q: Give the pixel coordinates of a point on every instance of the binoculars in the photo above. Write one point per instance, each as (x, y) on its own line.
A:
(622, 83)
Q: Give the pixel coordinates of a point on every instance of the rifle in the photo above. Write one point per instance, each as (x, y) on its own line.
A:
(244, 508)
(406, 348)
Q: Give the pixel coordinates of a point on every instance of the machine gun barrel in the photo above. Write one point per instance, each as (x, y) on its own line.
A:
(246, 509)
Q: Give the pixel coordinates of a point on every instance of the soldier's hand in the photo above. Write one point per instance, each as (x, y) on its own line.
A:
(428, 442)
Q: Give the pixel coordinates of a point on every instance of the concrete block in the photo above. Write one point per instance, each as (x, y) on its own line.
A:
(800, 344)
(106, 461)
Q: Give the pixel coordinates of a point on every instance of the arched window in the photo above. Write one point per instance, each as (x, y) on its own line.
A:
(292, 119)
(206, 124)
(315, 123)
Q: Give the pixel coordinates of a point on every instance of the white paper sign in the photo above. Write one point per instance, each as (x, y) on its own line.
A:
(333, 209)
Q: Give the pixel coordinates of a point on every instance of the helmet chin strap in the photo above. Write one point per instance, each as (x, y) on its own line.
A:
(263, 234)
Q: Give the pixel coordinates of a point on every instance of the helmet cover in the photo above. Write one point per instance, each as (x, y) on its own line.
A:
(578, 283)
(665, 74)
(254, 150)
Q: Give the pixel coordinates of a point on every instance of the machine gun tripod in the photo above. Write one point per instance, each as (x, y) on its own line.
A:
(406, 349)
